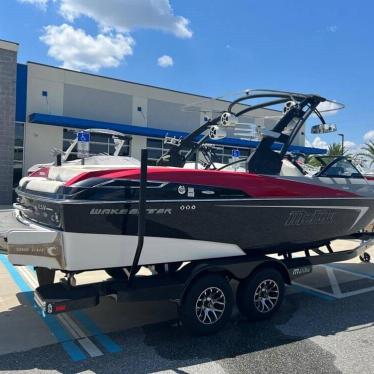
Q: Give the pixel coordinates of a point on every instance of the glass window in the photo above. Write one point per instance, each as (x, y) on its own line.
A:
(340, 169)
(18, 153)
(99, 144)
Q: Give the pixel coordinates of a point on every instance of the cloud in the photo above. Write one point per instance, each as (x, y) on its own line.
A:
(128, 15)
(332, 28)
(329, 107)
(78, 50)
(165, 61)
(318, 143)
(42, 4)
(369, 136)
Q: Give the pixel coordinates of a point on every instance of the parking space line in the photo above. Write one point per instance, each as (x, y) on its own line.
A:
(70, 347)
(313, 291)
(354, 272)
(105, 341)
(75, 331)
(334, 282)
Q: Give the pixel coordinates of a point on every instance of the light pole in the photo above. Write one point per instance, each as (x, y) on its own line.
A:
(342, 136)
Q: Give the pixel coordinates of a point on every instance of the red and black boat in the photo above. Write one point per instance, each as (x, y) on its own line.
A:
(82, 217)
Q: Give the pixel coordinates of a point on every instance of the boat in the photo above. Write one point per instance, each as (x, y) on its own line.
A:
(78, 217)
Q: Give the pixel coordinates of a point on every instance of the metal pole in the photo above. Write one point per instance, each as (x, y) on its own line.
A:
(141, 214)
(342, 136)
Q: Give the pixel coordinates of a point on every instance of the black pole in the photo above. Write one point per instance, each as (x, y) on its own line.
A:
(141, 214)
(58, 159)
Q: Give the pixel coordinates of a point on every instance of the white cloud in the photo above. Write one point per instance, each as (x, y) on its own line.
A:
(128, 15)
(42, 4)
(78, 50)
(165, 61)
(369, 136)
(329, 107)
(319, 143)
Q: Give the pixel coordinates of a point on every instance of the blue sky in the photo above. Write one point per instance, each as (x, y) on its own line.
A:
(213, 47)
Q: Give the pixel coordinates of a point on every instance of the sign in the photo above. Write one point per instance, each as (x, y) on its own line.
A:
(235, 153)
(83, 144)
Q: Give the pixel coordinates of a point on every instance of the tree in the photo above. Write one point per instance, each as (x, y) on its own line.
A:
(336, 149)
(369, 152)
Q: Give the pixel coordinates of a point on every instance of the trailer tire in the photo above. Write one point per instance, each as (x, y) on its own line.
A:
(45, 276)
(208, 292)
(260, 295)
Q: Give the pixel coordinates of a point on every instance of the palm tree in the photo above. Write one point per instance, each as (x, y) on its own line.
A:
(336, 149)
(369, 152)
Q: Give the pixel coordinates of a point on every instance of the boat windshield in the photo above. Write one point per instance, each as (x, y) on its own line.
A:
(340, 168)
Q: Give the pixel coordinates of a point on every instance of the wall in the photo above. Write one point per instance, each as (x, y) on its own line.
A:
(8, 69)
(88, 96)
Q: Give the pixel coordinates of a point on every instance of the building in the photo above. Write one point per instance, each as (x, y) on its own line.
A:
(41, 105)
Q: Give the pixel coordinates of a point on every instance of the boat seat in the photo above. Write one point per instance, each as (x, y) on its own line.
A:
(288, 169)
(44, 185)
(23, 181)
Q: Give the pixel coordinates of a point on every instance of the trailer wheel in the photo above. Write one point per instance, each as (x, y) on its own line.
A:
(207, 305)
(260, 295)
(45, 276)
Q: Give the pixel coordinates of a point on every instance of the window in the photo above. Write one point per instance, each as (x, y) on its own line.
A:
(156, 148)
(341, 168)
(18, 153)
(99, 144)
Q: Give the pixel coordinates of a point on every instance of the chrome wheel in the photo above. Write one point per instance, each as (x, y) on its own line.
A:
(266, 296)
(210, 305)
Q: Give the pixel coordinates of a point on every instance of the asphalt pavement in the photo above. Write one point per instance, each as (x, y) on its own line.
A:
(326, 325)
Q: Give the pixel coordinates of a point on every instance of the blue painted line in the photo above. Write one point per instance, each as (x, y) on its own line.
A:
(70, 347)
(103, 339)
(93, 329)
(314, 293)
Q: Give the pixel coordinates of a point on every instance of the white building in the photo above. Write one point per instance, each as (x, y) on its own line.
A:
(48, 104)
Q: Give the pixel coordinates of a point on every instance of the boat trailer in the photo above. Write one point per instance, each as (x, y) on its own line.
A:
(201, 288)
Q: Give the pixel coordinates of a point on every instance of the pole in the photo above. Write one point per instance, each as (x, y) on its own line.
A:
(141, 214)
(342, 136)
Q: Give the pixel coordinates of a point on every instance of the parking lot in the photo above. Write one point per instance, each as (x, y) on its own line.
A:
(325, 325)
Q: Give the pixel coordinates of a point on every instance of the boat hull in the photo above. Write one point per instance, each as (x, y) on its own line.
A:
(97, 235)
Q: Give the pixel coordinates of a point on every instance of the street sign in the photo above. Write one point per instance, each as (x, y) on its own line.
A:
(235, 153)
(83, 144)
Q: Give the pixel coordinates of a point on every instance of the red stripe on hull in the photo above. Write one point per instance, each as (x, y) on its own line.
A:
(252, 184)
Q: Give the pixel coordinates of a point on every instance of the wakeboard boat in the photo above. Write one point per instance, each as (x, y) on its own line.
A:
(77, 217)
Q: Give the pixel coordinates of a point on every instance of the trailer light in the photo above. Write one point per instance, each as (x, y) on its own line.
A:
(60, 308)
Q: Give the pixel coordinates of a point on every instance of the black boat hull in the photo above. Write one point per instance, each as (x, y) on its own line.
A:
(269, 225)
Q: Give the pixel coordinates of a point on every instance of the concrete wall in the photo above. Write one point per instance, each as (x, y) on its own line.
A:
(8, 71)
(75, 94)
(96, 104)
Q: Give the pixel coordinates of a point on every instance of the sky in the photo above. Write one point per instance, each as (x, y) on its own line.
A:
(212, 47)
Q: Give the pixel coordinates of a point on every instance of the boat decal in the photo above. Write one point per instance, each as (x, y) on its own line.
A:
(362, 209)
(318, 217)
(132, 211)
(51, 250)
